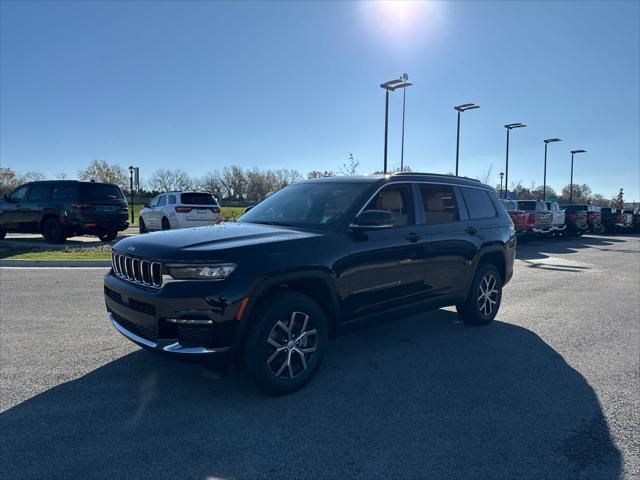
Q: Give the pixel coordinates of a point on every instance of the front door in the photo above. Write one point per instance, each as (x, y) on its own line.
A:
(15, 210)
(385, 266)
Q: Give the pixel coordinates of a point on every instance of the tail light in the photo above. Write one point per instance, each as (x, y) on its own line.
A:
(591, 216)
(618, 218)
(183, 209)
(572, 217)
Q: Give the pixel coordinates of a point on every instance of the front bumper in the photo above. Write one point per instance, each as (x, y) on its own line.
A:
(180, 318)
(167, 346)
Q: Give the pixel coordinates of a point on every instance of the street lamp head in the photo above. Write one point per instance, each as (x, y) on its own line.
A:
(551, 140)
(392, 84)
(404, 77)
(578, 151)
(130, 168)
(509, 126)
(501, 175)
(466, 106)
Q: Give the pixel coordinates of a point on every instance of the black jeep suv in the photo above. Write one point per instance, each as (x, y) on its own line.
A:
(63, 208)
(311, 261)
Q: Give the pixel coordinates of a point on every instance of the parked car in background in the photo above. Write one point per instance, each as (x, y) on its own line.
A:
(611, 219)
(542, 217)
(558, 225)
(635, 220)
(576, 221)
(59, 209)
(627, 220)
(314, 260)
(174, 210)
(523, 222)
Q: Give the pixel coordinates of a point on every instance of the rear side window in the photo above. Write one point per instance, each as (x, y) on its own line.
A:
(100, 192)
(440, 205)
(171, 199)
(40, 192)
(63, 192)
(479, 205)
(198, 199)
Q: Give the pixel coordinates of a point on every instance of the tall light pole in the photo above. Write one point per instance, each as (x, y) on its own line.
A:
(501, 176)
(544, 180)
(404, 79)
(389, 86)
(573, 152)
(461, 108)
(131, 170)
(509, 127)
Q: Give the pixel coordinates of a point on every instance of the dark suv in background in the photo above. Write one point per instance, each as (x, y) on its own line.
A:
(311, 261)
(64, 208)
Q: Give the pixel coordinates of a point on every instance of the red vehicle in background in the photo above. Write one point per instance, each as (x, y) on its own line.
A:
(524, 222)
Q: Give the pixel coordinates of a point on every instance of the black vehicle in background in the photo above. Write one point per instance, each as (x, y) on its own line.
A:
(611, 219)
(63, 208)
(313, 260)
(593, 216)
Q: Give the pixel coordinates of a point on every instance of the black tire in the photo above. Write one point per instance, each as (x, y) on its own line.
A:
(142, 226)
(52, 231)
(477, 310)
(108, 236)
(273, 354)
(165, 224)
(3, 233)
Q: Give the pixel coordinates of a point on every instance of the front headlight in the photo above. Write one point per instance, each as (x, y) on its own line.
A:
(217, 271)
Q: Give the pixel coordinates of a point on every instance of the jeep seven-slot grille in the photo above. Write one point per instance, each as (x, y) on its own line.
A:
(137, 270)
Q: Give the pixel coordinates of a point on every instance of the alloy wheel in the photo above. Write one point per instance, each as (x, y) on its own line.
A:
(291, 346)
(487, 294)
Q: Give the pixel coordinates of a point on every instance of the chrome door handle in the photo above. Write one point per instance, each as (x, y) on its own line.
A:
(471, 230)
(413, 237)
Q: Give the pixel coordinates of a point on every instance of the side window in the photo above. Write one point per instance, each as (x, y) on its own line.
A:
(171, 199)
(396, 199)
(154, 202)
(440, 205)
(162, 201)
(19, 194)
(40, 192)
(478, 203)
(63, 192)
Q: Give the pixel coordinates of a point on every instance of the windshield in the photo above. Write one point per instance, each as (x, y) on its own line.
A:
(314, 205)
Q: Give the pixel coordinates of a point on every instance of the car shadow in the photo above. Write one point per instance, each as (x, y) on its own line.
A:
(422, 397)
(546, 247)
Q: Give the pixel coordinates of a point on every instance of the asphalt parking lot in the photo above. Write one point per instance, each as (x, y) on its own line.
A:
(549, 390)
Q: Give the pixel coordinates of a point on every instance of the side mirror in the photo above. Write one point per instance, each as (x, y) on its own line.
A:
(147, 205)
(372, 219)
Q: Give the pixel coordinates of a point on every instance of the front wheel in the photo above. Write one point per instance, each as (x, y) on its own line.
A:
(142, 225)
(484, 297)
(286, 343)
(107, 236)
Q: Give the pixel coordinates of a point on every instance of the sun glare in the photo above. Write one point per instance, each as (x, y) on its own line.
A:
(397, 19)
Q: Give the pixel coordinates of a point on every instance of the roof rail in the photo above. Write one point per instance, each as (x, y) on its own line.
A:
(435, 175)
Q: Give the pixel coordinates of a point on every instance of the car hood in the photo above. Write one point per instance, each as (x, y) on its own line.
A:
(194, 243)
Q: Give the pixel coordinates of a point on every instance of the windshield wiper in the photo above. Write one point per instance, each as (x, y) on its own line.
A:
(267, 222)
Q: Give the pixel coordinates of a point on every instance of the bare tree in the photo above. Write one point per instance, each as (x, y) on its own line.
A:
(101, 171)
(61, 176)
(485, 176)
(165, 180)
(350, 167)
(10, 179)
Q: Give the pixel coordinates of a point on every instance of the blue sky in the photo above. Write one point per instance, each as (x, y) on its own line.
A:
(206, 84)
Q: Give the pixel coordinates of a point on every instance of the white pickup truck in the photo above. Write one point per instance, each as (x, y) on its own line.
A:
(557, 221)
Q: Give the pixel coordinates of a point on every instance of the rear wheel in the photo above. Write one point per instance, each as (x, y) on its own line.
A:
(52, 231)
(286, 343)
(165, 224)
(108, 236)
(143, 227)
(484, 297)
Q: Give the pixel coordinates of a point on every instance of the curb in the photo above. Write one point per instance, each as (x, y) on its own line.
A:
(55, 263)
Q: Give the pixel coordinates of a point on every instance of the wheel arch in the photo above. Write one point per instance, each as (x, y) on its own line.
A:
(315, 284)
(494, 256)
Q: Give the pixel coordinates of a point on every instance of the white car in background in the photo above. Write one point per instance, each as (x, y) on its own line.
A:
(173, 210)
